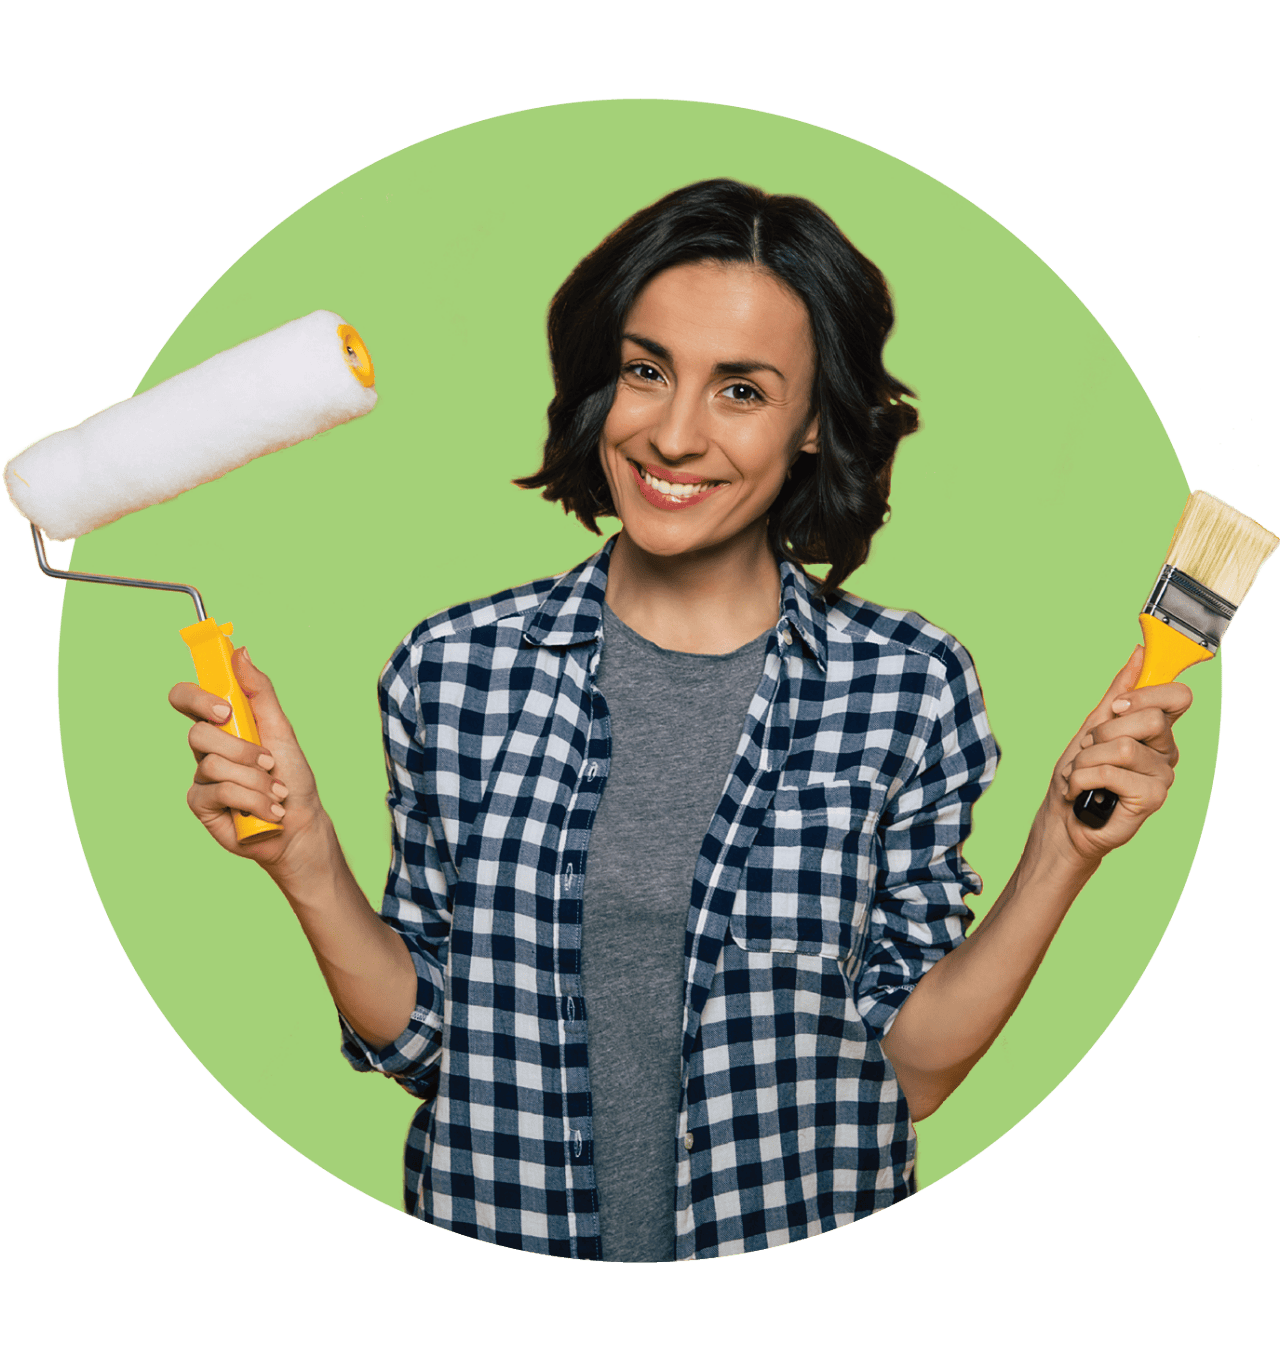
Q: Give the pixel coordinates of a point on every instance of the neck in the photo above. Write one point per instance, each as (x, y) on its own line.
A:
(703, 603)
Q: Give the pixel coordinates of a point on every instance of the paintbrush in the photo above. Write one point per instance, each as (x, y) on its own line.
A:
(1214, 556)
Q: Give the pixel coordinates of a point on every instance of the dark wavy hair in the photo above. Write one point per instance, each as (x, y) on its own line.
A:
(832, 504)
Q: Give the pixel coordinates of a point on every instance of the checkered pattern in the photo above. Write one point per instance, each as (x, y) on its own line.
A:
(829, 881)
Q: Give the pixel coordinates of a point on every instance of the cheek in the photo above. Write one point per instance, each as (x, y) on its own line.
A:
(612, 429)
(627, 417)
(764, 459)
(615, 432)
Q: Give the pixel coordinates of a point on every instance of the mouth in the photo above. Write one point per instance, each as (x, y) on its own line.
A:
(671, 494)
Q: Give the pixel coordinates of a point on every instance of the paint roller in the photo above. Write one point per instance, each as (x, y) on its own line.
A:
(263, 395)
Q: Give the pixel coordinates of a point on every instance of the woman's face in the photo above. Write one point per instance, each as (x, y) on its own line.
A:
(713, 405)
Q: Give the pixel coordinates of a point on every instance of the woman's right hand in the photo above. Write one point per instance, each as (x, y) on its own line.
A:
(365, 963)
(272, 781)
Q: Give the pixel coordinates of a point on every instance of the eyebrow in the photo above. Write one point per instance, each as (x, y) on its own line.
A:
(742, 367)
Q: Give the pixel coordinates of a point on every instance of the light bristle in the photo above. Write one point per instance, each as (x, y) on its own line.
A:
(1219, 547)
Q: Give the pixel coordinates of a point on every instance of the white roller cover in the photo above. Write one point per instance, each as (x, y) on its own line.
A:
(265, 394)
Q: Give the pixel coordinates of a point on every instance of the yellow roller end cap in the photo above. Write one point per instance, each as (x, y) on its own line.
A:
(357, 356)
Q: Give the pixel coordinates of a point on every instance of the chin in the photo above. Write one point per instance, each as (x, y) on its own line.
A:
(662, 543)
(677, 539)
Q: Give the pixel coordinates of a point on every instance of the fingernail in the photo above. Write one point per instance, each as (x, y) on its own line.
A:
(266, 762)
(245, 652)
(221, 711)
(280, 790)
(1121, 704)
(1086, 742)
(278, 812)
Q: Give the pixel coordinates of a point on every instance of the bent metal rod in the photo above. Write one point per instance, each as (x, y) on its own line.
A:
(115, 579)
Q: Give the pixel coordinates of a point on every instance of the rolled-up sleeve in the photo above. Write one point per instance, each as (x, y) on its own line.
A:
(416, 902)
(918, 913)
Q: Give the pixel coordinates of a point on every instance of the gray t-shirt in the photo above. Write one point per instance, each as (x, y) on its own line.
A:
(674, 722)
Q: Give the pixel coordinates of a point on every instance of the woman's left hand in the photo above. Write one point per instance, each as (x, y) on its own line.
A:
(959, 1007)
(1126, 745)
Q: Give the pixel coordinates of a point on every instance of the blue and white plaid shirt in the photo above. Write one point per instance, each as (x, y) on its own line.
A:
(829, 881)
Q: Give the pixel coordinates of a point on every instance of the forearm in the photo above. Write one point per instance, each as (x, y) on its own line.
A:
(959, 1007)
(365, 962)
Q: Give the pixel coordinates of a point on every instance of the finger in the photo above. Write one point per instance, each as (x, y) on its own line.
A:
(1140, 795)
(1127, 753)
(213, 768)
(209, 739)
(209, 799)
(1151, 726)
(1174, 699)
(199, 705)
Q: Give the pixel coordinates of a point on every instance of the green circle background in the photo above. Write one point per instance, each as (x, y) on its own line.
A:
(1031, 514)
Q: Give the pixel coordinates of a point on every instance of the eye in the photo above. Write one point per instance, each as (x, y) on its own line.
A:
(742, 393)
(642, 371)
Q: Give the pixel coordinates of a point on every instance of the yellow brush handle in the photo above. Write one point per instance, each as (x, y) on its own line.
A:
(211, 650)
(1166, 652)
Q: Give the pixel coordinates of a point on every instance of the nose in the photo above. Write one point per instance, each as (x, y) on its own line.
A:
(680, 430)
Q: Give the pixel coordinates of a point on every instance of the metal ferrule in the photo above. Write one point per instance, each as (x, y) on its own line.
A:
(189, 589)
(1187, 606)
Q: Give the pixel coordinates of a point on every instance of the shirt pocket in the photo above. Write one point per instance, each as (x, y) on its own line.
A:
(810, 872)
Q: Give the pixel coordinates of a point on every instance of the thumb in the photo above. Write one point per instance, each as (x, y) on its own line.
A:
(1125, 679)
(1122, 683)
(267, 712)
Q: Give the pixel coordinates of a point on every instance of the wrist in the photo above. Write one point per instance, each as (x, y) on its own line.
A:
(313, 865)
(1052, 854)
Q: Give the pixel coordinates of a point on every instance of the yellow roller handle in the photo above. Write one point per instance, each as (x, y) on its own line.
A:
(211, 650)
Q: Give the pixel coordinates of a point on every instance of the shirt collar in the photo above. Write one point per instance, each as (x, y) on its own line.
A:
(573, 611)
(804, 611)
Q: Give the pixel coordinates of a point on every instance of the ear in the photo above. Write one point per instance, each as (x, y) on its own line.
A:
(810, 441)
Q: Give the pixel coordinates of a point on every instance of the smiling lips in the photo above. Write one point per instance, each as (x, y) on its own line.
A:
(671, 490)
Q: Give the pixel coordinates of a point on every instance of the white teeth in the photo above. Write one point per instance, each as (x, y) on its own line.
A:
(674, 491)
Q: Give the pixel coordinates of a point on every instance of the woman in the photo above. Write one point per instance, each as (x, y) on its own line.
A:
(669, 947)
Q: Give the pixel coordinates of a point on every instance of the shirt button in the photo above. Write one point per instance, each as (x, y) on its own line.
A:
(688, 1140)
(786, 636)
